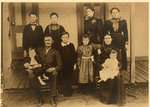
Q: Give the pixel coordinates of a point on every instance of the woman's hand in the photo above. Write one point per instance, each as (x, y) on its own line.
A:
(126, 45)
(75, 67)
(99, 51)
(39, 65)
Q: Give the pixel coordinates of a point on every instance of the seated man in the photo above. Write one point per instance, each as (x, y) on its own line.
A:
(51, 64)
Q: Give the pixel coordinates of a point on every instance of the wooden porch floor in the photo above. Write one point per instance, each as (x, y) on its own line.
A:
(17, 78)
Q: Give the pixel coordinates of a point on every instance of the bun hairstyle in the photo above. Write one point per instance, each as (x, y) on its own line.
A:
(53, 13)
(92, 9)
(107, 35)
(86, 36)
(113, 9)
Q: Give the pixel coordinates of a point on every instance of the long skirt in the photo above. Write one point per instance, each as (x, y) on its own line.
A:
(86, 71)
(112, 91)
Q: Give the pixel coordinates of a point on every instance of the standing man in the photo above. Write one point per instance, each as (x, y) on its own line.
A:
(32, 34)
(55, 30)
(51, 63)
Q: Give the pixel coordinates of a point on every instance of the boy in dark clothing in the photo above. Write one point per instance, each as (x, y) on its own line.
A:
(32, 34)
(67, 52)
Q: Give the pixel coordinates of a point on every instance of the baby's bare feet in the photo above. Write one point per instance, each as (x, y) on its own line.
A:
(42, 83)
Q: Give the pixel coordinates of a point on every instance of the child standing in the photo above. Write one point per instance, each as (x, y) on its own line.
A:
(32, 34)
(111, 67)
(33, 65)
(85, 64)
(67, 52)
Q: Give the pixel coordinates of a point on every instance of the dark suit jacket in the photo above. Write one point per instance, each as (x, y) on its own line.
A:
(32, 38)
(51, 59)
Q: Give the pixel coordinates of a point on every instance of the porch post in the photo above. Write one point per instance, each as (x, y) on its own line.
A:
(132, 42)
(80, 21)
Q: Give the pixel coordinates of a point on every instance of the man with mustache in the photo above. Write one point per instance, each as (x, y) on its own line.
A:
(51, 64)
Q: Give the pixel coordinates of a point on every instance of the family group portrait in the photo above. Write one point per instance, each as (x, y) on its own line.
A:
(74, 54)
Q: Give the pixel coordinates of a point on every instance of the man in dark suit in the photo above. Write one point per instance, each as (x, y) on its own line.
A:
(32, 34)
(51, 63)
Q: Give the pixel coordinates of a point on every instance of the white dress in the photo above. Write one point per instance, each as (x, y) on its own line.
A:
(110, 70)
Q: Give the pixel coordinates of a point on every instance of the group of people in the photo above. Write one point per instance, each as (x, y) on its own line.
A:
(51, 56)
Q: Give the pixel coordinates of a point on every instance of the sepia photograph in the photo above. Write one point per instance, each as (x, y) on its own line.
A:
(74, 54)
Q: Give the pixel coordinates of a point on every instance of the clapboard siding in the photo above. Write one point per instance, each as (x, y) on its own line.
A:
(141, 28)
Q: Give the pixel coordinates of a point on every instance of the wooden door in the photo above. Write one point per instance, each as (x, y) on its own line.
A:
(18, 18)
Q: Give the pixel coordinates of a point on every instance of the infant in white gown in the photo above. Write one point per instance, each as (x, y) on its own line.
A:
(111, 68)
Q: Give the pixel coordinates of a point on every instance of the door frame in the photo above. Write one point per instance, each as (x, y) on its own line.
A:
(17, 52)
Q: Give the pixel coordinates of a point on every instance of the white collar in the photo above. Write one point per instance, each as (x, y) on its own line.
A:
(63, 44)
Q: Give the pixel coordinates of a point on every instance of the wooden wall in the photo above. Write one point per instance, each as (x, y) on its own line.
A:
(141, 28)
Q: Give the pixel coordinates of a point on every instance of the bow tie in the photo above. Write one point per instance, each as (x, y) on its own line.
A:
(33, 24)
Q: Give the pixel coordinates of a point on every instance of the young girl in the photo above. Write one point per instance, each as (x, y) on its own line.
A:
(85, 64)
(67, 51)
(111, 67)
(33, 64)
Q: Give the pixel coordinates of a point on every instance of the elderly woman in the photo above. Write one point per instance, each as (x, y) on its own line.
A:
(111, 90)
(117, 27)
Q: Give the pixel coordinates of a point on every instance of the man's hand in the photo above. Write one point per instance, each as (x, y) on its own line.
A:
(50, 69)
(30, 67)
(25, 53)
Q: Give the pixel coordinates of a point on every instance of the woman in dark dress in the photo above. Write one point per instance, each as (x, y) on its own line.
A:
(55, 30)
(117, 27)
(93, 26)
(112, 90)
